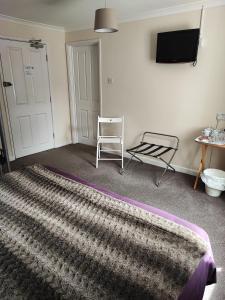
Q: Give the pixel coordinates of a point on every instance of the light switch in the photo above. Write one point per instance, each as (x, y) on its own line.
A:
(110, 80)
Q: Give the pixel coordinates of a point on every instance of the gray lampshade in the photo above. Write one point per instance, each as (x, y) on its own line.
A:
(106, 20)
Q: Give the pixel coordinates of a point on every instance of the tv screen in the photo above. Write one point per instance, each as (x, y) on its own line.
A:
(177, 46)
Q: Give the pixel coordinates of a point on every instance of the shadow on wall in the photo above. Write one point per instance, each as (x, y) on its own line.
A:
(153, 46)
(192, 154)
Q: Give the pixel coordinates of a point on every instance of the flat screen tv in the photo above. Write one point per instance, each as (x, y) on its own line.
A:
(177, 46)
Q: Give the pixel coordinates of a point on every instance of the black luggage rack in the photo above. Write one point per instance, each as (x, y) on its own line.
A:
(154, 150)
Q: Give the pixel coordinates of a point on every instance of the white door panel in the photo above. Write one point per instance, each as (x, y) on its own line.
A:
(39, 76)
(84, 124)
(86, 73)
(17, 73)
(24, 126)
(95, 77)
(95, 115)
(28, 98)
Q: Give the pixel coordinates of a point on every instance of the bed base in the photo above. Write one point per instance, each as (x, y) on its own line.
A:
(153, 150)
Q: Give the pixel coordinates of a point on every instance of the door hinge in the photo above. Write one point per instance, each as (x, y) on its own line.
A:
(50, 99)
(7, 84)
(53, 135)
(46, 57)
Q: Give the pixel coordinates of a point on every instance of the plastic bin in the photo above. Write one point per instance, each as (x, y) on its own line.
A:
(214, 181)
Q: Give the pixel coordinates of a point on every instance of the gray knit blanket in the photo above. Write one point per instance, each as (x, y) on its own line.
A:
(61, 239)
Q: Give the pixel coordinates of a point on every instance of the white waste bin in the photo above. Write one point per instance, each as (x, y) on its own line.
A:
(214, 181)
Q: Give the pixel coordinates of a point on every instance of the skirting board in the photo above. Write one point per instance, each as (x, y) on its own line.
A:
(158, 163)
(58, 145)
(12, 158)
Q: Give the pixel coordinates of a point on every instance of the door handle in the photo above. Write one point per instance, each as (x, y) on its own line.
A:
(7, 84)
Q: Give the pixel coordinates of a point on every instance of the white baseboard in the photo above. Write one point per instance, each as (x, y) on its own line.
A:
(62, 144)
(158, 163)
(12, 158)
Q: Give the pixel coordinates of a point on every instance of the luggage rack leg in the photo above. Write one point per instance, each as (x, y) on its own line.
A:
(150, 149)
(168, 165)
(122, 170)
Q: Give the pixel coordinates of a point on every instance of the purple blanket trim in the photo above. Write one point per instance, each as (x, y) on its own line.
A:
(204, 275)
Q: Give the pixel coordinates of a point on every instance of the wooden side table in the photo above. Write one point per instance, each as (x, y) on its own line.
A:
(204, 146)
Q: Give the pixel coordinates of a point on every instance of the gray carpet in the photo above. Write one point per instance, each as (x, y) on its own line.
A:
(175, 194)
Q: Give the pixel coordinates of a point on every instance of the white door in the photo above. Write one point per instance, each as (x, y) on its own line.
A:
(28, 98)
(86, 76)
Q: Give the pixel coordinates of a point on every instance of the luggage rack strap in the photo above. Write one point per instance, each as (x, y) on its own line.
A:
(139, 149)
(157, 149)
(138, 146)
(164, 151)
(154, 150)
(143, 151)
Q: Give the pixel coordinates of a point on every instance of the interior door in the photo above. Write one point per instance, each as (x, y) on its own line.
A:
(86, 73)
(26, 82)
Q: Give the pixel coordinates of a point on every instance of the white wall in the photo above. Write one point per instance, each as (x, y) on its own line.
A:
(175, 99)
(55, 40)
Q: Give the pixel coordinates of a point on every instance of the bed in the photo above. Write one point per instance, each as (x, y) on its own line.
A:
(64, 238)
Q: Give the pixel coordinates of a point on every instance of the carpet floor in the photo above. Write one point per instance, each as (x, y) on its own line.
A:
(175, 194)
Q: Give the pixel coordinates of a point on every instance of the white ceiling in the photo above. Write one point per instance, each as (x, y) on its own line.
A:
(79, 14)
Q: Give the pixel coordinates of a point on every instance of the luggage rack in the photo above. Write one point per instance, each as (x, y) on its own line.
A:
(154, 150)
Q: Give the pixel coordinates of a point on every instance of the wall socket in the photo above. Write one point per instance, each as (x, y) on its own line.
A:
(220, 116)
(110, 80)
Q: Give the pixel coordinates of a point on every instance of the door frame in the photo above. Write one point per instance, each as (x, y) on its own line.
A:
(71, 81)
(4, 102)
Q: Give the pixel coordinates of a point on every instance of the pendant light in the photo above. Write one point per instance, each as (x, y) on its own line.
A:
(106, 20)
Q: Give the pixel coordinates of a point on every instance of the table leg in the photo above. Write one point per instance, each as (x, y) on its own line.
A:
(201, 165)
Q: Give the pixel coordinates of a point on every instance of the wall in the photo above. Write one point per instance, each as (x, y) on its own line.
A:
(176, 99)
(55, 40)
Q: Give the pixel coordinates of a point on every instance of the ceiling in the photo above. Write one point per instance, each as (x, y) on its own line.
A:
(79, 14)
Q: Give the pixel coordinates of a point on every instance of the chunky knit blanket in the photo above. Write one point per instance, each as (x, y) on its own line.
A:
(61, 239)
